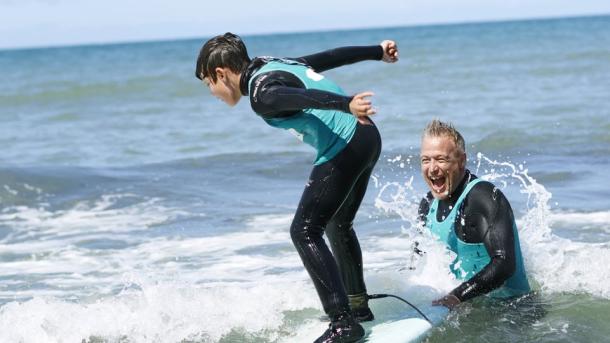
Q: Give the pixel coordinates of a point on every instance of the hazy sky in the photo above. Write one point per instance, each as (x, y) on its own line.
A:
(25, 23)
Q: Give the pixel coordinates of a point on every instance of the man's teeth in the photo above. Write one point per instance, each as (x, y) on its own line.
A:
(437, 181)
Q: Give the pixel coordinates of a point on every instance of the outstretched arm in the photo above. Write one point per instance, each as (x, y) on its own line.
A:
(329, 59)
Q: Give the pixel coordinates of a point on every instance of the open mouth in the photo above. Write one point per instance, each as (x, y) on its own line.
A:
(438, 183)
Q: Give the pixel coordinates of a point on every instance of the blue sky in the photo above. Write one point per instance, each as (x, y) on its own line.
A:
(28, 23)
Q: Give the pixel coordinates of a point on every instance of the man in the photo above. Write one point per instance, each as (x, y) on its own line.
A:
(291, 94)
(472, 217)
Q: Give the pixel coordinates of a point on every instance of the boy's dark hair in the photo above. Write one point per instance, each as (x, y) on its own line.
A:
(222, 51)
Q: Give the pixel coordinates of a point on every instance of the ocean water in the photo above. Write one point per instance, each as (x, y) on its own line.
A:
(136, 207)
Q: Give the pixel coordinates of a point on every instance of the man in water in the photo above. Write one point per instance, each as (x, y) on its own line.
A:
(472, 217)
(290, 93)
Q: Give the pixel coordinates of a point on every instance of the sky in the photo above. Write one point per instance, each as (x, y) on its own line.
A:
(39, 23)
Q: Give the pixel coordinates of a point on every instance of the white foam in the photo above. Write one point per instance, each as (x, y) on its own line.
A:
(160, 312)
(397, 252)
(597, 221)
(99, 272)
(203, 288)
(43, 245)
(169, 289)
(392, 258)
(86, 217)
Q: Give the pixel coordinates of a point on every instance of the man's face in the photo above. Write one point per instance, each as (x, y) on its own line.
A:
(442, 165)
(226, 86)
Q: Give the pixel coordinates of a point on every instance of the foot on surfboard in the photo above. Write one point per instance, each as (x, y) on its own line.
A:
(342, 329)
(363, 314)
(359, 303)
(360, 314)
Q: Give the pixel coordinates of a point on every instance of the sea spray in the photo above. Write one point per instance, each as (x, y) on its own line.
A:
(557, 264)
(554, 263)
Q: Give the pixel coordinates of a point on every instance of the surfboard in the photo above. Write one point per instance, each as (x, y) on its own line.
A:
(392, 324)
(404, 330)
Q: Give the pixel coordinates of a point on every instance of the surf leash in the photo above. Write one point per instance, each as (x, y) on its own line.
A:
(379, 296)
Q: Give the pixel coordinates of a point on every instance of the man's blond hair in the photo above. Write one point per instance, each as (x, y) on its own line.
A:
(437, 128)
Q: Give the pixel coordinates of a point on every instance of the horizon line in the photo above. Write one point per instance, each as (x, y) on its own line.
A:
(264, 33)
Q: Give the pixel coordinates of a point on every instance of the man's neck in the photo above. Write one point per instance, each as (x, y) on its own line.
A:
(453, 196)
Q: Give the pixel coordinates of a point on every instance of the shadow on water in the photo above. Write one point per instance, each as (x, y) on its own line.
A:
(492, 320)
(534, 318)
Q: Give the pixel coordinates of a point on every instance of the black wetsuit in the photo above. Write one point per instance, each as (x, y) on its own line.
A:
(279, 93)
(335, 188)
(485, 217)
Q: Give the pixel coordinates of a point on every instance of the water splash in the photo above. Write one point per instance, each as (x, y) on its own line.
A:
(555, 264)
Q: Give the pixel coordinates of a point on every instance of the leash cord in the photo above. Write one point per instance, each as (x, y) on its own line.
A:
(379, 296)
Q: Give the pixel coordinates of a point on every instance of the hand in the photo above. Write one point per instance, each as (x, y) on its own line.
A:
(449, 301)
(361, 107)
(390, 51)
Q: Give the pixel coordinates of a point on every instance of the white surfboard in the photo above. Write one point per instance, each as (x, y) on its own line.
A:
(391, 324)
(406, 330)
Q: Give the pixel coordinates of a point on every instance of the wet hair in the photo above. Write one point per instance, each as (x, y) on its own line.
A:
(437, 128)
(222, 51)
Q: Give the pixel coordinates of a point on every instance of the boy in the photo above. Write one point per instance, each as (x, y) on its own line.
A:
(291, 94)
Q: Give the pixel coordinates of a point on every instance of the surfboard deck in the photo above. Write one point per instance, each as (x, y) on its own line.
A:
(406, 330)
(391, 325)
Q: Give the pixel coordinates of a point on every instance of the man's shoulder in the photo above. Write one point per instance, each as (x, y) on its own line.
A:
(483, 186)
(483, 194)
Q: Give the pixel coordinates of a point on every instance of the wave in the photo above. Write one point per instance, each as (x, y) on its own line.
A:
(600, 219)
(518, 140)
(171, 286)
(238, 286)
(159, 290)
(167, 312)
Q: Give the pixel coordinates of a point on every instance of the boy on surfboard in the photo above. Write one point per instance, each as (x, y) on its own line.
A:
(291, 94)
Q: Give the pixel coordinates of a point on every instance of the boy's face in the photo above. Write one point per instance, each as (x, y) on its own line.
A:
(226, 87)
(443, 165)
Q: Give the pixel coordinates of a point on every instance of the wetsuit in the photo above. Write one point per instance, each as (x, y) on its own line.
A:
(480, 228)
(290, 94)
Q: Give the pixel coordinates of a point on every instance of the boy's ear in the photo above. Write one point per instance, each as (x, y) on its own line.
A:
(220, 73)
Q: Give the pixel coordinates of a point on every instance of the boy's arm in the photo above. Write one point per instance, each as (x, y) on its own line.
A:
(281, 94)
(341, 56)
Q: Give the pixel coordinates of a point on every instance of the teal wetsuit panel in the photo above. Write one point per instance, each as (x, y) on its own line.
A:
(473, 257)
(328, 131)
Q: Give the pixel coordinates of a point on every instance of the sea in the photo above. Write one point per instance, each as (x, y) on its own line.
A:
(136, 207)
